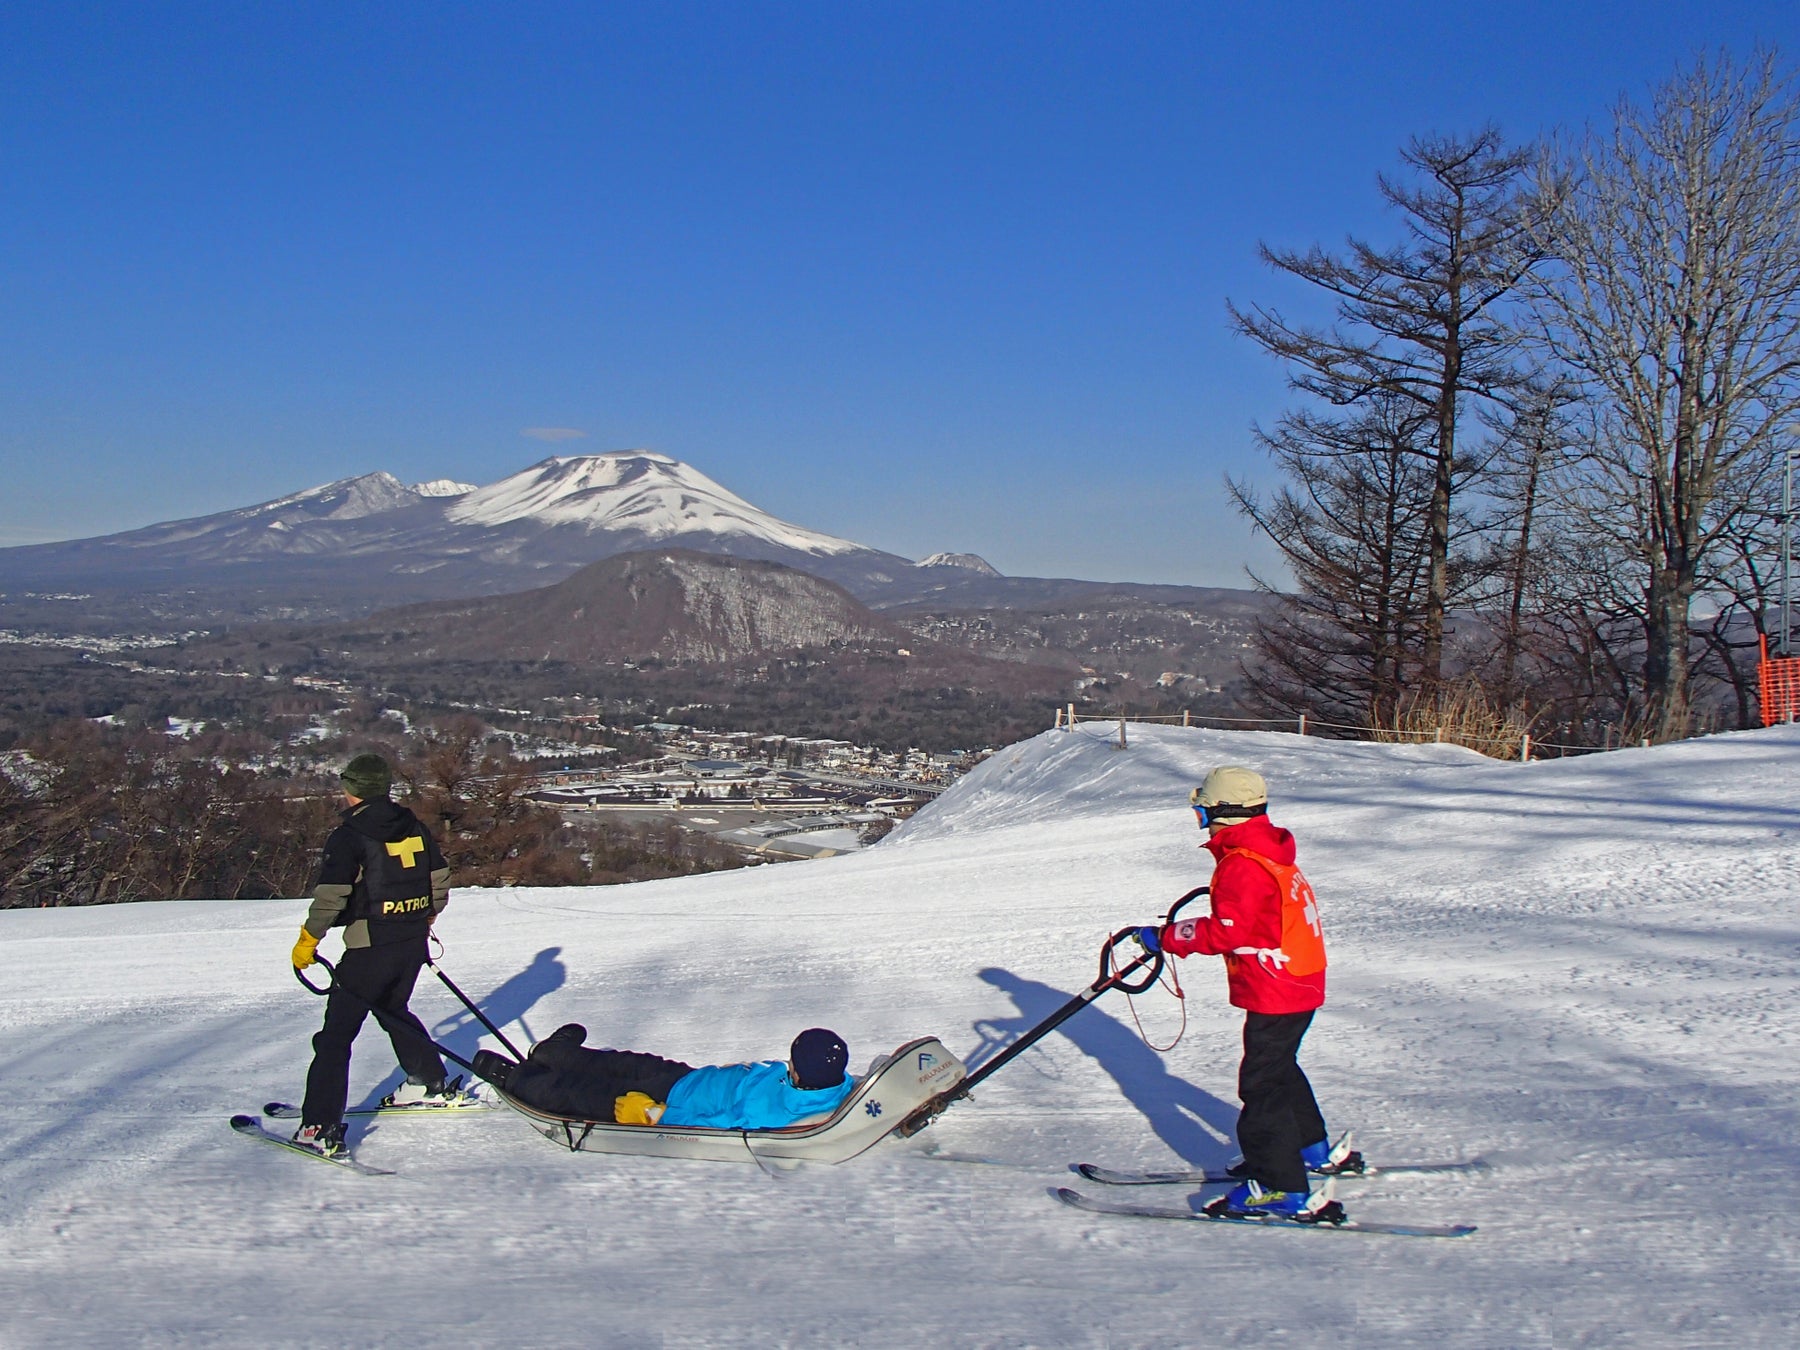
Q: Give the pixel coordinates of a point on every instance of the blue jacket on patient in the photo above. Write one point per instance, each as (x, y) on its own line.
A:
(748, 1097)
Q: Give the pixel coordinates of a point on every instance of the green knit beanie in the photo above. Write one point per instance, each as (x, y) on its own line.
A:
(367, 776)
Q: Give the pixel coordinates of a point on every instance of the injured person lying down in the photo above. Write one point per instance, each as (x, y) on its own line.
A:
(563, 1077)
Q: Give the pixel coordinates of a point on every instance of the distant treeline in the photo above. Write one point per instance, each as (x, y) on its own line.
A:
(92, 814)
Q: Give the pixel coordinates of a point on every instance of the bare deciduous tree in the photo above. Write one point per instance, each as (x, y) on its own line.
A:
(1674, 303)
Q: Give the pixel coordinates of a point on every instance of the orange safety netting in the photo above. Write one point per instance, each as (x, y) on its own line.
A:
(1779, 680)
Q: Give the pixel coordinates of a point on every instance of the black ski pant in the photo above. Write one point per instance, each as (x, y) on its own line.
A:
(368, 977)
(566, 1078)
(1280, 1116)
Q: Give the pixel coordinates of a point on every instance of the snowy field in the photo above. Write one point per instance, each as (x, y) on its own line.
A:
(1586, 972)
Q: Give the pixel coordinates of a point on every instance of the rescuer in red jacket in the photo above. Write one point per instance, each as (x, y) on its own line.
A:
(1265, 923)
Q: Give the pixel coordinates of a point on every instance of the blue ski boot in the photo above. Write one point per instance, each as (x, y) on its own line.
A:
(1249, 1200)
(1327, 1159)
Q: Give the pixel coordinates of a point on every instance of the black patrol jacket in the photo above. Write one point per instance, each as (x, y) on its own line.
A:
(386, 857)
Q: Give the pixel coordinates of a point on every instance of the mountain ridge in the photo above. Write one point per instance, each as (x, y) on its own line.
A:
(664, 604)
(356, 545)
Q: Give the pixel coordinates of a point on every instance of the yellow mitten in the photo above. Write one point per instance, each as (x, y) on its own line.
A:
(637, 1108)
(304, 950)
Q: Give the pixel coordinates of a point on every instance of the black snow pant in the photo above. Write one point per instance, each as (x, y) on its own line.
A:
(565, 1078)
(380, 977)
(1280, 1116)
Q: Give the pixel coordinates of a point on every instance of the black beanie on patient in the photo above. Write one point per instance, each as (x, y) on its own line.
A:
(818, 1057)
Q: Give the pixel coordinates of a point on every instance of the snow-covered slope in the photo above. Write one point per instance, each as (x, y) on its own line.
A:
(648, 495)
(1586, 972)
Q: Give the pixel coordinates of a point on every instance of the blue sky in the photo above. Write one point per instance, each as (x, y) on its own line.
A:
(927, 276)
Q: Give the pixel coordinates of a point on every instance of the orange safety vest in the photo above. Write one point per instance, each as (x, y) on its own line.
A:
(1302, 950)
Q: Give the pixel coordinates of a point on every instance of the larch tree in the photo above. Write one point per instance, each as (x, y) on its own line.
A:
(1350, 522)
(1422, 320)
(1420, 334)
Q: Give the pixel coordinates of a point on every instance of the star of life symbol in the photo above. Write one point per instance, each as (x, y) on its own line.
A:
(873, 1108)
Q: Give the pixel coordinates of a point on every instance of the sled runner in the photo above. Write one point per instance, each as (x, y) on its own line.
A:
(895, 1087)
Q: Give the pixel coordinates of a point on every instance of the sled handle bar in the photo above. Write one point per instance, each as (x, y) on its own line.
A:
(469, 1003)
(320, 989)
(381, 1014)
(1111, 977)
(1116, 979)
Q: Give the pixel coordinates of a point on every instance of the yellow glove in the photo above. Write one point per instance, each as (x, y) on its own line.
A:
(637, 1108)
(304, 950)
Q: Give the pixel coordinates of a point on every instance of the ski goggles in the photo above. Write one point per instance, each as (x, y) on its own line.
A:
(1220, 813)
(1201, 809)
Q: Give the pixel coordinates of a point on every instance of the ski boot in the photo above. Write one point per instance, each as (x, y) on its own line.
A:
(414, 1092)
(1249, 1200)
(326, 1139)
(1326, 1159)
(495, 1067)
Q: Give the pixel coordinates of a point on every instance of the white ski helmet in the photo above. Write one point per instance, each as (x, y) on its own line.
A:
(1231, 792)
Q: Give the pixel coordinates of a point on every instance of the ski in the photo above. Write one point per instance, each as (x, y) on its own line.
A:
(252, 1128)
(1217, 1176)
(1094, 1206)
(288, 1111)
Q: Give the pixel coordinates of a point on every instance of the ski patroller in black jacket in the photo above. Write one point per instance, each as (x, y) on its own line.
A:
(382, 874)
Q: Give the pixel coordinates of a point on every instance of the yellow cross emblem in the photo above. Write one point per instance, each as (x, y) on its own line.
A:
(407, 851)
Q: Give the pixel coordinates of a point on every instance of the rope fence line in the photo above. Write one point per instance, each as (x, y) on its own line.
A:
(1066, 720)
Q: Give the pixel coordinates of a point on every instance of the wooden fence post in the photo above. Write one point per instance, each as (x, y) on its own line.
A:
(1525, 748)
(1303, 724)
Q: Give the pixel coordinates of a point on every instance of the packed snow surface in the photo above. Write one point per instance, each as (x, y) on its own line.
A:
(1583, 971)
(636, 490)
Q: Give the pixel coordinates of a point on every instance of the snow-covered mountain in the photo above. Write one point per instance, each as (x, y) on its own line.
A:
(1582, 971)
(968, 562)
(332, 516)
(375, 538)
(652, 497)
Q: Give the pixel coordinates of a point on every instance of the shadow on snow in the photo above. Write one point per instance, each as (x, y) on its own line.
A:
(1195, 1125)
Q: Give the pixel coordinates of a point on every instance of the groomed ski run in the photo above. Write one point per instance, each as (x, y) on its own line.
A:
(1583, 971)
